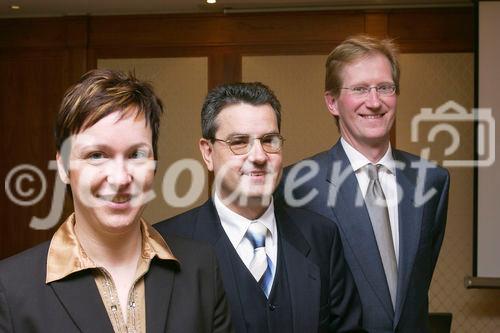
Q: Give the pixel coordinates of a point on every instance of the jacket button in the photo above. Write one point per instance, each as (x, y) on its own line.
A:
(272, 307)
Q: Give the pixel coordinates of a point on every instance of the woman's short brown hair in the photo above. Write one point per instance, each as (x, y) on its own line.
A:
(101, 92)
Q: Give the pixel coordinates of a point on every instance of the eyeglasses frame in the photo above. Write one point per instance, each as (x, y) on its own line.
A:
(250, 144)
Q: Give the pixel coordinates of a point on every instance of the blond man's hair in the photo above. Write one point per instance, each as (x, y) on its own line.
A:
(354, 48)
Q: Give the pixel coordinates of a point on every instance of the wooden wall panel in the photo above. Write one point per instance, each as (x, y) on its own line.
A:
(30, 91)
(220, 29)
(223, 67)
(43, 33)
(376, 24)
(432, 30)
(39, 59)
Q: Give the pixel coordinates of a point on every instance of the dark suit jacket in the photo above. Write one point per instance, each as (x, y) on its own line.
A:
(185, 297)
(421, 231)
(323, 294)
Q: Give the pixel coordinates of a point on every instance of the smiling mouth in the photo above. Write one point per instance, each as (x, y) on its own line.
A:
(116, 198)
(256, 173)
(372, 116)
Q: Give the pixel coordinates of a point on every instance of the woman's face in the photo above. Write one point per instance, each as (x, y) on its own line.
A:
(111, 171)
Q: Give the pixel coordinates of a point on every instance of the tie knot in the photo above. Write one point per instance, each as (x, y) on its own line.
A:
(256, 234)
(372, 171)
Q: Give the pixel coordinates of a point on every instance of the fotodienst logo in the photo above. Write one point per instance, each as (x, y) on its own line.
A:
(443, 118)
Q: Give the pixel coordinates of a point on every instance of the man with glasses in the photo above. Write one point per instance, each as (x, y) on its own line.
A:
(283, 268)
(389, 205)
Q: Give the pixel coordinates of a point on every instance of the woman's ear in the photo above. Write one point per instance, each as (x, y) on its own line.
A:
(62, 169)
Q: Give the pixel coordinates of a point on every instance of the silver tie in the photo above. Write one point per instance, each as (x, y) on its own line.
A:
(379, 216)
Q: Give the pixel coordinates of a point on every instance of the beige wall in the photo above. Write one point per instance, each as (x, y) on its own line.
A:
(428, 80)
(298, 82)
(181, 83)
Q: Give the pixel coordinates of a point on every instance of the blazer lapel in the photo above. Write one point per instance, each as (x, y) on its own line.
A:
(80, 297)
(410, 224)
(159, 282)
(303, 275)
(209, 229)
(352, 217)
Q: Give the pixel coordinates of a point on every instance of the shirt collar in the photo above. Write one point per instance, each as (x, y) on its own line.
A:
(66, 255)
(236, 225)
(359, 160)
(388, 161)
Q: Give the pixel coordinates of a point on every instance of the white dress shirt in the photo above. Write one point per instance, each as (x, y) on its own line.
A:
(387, 178)
(236, 227)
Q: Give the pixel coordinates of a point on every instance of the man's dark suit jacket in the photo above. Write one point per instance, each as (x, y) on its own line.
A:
(421, 232)
(185, 297)
(324, 298)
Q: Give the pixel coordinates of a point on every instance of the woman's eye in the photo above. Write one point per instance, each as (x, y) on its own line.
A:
(138, 154)
(95, 156)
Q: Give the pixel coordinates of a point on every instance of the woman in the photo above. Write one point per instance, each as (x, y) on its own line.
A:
(105, 269)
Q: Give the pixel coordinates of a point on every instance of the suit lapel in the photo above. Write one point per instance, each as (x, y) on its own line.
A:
(80, 297)
(354, 222)
(159, 282)
(209, 229)
(410, 224)
(303, 276)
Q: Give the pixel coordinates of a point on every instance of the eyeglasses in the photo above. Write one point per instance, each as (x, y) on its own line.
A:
(241, 144)
(363, 91)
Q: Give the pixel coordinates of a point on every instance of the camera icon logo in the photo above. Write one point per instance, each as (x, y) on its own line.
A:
(450, 112)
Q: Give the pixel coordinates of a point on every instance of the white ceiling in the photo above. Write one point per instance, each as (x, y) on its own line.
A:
(40, 8)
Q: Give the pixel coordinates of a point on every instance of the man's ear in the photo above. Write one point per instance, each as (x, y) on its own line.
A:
(206, 150)
(62, 169)
(331, 104)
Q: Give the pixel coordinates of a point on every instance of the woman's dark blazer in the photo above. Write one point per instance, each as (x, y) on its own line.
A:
(180, 297)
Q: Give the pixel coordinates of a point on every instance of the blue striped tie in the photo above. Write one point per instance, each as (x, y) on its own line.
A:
(260, 266)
